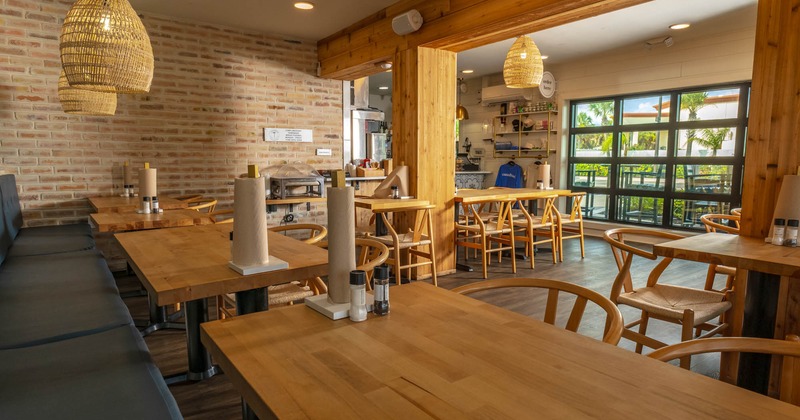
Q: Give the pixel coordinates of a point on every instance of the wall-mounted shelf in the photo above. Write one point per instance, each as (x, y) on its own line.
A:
(530, 139)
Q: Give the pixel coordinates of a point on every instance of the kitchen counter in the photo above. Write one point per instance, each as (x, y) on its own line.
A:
(470, 179)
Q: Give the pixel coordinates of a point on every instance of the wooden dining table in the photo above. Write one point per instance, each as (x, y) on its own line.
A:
(190, 264)
(443, 355)
(117, 204)
(767, 278)
(127, 221)
(379, 204)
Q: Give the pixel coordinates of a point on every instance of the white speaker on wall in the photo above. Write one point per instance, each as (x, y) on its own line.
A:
(406, 23)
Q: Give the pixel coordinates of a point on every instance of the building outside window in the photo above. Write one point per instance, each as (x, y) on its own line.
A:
(662, 158)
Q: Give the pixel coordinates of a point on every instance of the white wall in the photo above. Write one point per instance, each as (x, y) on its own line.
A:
(709, 53)
(384, 103)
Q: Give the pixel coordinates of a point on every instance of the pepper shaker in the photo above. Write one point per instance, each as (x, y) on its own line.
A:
(381, 290)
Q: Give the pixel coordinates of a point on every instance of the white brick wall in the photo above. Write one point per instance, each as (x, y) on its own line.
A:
(214, 90)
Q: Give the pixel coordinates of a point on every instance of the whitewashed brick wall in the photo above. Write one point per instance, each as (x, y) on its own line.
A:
(214, 90)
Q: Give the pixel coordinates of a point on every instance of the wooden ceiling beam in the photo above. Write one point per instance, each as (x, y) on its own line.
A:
(453, 25)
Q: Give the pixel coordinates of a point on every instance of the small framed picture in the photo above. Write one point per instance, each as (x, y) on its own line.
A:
(477, 152)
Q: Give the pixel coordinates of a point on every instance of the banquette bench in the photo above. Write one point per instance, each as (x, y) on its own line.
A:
(68, 346)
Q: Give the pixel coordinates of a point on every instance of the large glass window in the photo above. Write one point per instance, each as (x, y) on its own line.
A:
(642, 160)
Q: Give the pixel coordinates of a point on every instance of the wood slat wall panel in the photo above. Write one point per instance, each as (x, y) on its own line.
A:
(449, 24)
(774, 126)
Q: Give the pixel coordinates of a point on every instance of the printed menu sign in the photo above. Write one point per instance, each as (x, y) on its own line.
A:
(295, 135)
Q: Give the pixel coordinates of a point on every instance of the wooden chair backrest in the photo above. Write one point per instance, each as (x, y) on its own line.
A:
(418, 222)
(624, 252)
(549, 212)
(369, 254)
(614, 323)
(716, 222)
(188, 197)
(222, 216)
(315, 234)
(789, 349)
(207, 204)
(575, 211)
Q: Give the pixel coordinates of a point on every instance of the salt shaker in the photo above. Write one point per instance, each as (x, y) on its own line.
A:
(146, 205)
(358, 295)
(381, 290)
(777, 231)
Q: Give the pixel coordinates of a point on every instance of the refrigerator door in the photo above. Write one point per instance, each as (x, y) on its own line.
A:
(364, 122)
(376, 146)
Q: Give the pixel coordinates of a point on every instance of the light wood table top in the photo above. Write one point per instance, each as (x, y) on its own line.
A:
(494, 194)
(119, 204)
(736, 251)
(377, 204)
(188, 263)
(121, 222)
(443, 355)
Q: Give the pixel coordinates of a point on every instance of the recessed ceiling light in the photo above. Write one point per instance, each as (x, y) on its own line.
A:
(468, 71)
(679, 26)
(304, 5)
(545, 57)
(383, 87)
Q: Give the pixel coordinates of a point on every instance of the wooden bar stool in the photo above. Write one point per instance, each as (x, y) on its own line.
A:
(417, 241)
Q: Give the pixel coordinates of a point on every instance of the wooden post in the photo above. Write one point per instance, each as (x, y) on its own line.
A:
(773, 134)
(423, 113)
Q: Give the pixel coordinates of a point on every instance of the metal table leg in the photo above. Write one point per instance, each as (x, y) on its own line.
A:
(249, 301)
(200, 366)
(159, 320)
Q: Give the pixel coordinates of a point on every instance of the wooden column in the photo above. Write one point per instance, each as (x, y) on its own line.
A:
(773, 136)
(423, 136)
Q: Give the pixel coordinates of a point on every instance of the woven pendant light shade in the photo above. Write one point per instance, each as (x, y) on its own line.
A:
(85, 102)
(523, 67)
(105, 47)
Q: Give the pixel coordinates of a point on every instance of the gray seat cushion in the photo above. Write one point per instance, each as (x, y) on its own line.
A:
(44, 240)
(12, 212)
(108, 375)
(54, 297)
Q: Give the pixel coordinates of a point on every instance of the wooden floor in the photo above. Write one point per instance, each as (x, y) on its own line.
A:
(215, 398)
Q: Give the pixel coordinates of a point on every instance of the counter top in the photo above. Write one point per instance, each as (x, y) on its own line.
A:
(473, 172)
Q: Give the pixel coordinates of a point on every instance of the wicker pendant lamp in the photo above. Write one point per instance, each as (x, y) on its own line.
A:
(461, 112)
(104, 47)
(523, 67)
(85, 102)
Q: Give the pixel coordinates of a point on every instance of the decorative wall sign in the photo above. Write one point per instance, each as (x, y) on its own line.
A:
(548, 86)
(294, 135)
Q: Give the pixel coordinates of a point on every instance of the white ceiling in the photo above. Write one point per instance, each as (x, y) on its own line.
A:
(626, 27)
(269, 16)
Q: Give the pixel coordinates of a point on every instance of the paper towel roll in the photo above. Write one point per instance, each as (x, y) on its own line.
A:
(250, 247)
(544, 175)
(127, 174)
(341, 243)
(147, 182)
(399, 178)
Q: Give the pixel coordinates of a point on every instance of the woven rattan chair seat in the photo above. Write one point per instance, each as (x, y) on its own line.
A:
(670, 302)
(406, 240)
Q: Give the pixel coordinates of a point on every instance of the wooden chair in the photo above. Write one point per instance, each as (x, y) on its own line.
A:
(790, 350)
(310, 233)
(369, 254)
(286, 293)
(203, 205)
(475, 233)
(688, 307)
(413, 243)
(716, 223)
(188, 197)
(535, 230)
(570, 225)
(614, 323)
(222, 216)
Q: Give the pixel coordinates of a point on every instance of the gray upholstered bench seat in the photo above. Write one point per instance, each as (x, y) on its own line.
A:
(44, 240)
(107, 375)
(55, 297)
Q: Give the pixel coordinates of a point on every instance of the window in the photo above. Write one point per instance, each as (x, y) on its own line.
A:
(661, 158)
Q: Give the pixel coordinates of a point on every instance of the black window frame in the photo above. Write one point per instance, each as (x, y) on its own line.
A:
(672, 127)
